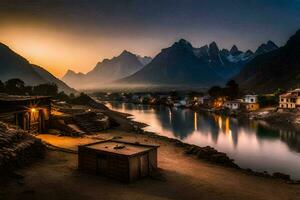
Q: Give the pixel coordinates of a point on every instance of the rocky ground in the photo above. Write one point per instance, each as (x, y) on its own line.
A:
(281, 119)
(17, 148)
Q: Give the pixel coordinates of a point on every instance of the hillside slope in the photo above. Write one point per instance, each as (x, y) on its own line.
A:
(277, 69)
(12, 65)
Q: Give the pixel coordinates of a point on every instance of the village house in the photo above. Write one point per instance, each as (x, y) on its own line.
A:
(233, 104)
(30, 113)
(290, 100)
(251, 102)
(204, 101)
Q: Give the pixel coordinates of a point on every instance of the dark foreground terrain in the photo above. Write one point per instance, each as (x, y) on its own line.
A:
(181, 176)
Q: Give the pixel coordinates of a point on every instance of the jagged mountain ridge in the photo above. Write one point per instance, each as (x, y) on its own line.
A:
(206, 65)
(180, 64)
(279, 68)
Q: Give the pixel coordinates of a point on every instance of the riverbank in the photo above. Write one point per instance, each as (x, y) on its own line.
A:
(277, 118)
(180, 176)
(281, 119)
(185, 171)
(227, 134)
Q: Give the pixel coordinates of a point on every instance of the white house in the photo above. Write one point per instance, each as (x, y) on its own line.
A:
(233, 105)
(250, 98)
(251, 102)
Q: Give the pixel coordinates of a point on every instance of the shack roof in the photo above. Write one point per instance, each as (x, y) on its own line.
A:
(11, 98)
(120, 147)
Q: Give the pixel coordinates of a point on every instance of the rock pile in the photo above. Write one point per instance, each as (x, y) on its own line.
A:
(212, 155)
(17, 147)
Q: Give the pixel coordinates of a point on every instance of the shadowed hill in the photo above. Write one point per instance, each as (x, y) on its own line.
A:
(12, 65)
(277, 69)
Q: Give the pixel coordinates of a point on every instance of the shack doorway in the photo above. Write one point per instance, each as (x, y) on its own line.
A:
(20, 120)
(102, 164)
(144, 165)
(41, 120)
(34, 121)
(26, 124)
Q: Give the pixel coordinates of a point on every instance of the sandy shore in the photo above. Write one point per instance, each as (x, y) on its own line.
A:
(180, 177)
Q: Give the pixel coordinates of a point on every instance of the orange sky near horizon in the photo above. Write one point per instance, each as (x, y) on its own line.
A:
(57, 51)
(76, 35)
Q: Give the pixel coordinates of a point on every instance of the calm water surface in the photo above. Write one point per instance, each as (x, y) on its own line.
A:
(252, 145)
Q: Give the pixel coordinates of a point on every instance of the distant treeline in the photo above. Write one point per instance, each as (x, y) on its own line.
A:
(18, 87)
(231, 91)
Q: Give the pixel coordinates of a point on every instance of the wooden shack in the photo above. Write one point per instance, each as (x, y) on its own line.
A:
(123, 161)
(30, 113)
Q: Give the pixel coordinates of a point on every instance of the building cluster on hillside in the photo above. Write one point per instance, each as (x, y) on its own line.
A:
(248, 103)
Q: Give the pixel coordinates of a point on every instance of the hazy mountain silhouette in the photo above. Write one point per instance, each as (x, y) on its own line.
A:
(176, 65)
(12, 65)
(48, 77)
(107, 71)
(279, 68)
(182, 64)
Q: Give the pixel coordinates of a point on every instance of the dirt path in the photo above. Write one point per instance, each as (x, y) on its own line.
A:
(182, 177)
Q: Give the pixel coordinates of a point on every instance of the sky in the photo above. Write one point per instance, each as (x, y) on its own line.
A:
(72, 34)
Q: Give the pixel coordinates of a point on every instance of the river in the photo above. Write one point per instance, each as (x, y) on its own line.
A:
(251, 144)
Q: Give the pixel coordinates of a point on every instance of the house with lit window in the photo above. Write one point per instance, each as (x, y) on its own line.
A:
(290, 100)
(251, 102)
(30, 113)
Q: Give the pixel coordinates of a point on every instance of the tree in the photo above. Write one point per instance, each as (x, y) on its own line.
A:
(215, 91)
(15, 86)
(193, 94)
(28, 90)
(231, 90)
(2, 87)
(174, 95)
(63, 97)
(46, 89)
(72, 95)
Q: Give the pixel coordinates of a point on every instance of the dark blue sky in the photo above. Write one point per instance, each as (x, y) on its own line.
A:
(146, 26)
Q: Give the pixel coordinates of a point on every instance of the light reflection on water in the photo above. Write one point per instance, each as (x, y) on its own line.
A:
(251, 144)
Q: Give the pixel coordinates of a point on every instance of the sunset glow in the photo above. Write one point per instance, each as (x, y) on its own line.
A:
(61, 36)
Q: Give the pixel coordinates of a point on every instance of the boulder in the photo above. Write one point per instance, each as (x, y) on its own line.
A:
(281, 176)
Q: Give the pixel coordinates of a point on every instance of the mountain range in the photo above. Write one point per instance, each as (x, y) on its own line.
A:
(13, 65)
(182, 64)
(107, 71)
(179, 64)
(279, 68)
